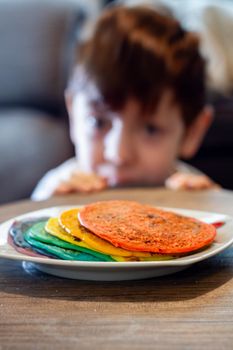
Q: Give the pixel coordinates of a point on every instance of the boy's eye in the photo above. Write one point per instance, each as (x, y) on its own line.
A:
(99, 123)
(151, 129)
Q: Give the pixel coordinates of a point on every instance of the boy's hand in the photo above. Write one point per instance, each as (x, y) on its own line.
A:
(183, 181)
(81, 182)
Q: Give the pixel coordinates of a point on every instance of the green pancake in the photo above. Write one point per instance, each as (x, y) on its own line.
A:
(39, 238)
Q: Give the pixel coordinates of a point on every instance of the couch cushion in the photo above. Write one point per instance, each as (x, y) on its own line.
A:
(36, 143)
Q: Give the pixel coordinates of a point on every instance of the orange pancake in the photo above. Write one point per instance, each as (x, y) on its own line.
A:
(134, 226)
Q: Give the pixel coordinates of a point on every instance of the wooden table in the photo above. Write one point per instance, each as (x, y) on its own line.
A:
(192, 309)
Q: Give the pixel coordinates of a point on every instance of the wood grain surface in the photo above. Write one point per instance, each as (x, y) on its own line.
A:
(192, 309)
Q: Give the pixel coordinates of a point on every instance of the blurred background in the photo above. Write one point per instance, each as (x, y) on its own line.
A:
(36, 38)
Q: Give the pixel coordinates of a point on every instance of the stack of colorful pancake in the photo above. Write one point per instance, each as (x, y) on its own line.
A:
(114, 231)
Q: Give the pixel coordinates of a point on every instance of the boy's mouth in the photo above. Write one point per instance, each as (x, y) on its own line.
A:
(119, 180)
(116, 178)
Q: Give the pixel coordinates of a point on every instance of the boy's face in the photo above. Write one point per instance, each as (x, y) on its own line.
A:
(126, 147)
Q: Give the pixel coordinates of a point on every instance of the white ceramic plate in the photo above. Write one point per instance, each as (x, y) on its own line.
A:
(116, 271)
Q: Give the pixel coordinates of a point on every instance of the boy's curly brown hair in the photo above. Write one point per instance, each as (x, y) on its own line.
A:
(137, 52)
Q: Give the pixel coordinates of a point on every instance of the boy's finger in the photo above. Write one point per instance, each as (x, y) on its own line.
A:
(189, 181)
(63, 188)
(87, 182)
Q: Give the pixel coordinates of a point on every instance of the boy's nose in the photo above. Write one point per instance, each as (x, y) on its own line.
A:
(118, 144)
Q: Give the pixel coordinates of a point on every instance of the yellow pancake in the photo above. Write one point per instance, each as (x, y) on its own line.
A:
(69, 221)
(155, 257)
(53, 227)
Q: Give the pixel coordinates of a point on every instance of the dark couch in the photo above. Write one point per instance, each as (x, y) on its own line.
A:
(215, 157)
(36, 39)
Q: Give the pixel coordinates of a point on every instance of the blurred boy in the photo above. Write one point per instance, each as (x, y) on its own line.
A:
(136, 102)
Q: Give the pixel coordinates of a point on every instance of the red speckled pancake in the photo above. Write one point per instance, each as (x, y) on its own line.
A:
(134, 226)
